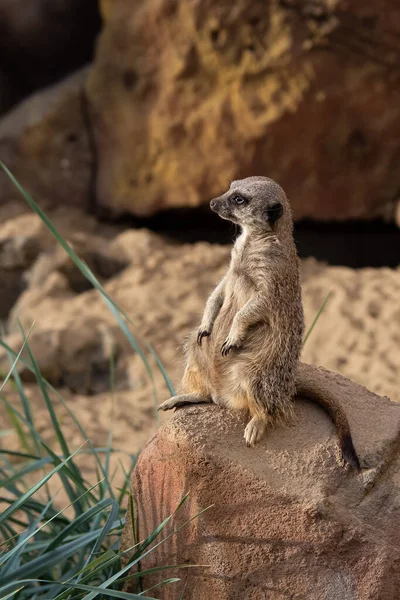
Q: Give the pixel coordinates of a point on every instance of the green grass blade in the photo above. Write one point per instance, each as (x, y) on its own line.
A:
(13, 556)
(131, 339)
(162, 369)
(157, 570)
(165, 582)
(60, 436)
(25, 471)
(317, 316)
(109, 524)
(16, 425)
(66, 473)
(11, 594)
(18, 503)
(137, 555)
(85, 588)
(65, 405)
(44, 563)
(49, 405)
(19, 454)
(142, 554)
(10, 372)
(24, 400)
(77, 523)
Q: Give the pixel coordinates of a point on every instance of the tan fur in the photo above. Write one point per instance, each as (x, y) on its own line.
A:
(245, 355)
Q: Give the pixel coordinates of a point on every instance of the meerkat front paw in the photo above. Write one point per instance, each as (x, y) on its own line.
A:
(254, 431)
(203, 332)
(229, 344)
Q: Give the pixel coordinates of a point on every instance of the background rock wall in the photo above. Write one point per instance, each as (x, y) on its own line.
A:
(184, 96)
(187, 96)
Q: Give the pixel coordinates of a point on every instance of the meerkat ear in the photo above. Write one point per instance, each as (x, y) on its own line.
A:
(274, 212)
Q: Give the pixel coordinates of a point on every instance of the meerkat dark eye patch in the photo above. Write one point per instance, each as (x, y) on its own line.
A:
(274, 212)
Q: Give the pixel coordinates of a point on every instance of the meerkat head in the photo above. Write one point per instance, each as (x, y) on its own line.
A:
(254, 203)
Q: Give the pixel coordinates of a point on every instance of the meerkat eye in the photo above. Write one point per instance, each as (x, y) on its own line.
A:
(238, 199)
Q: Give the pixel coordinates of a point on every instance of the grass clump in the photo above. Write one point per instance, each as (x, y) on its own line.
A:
(72, 553)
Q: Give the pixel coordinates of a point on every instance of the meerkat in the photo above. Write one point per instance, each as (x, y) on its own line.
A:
(245, 354)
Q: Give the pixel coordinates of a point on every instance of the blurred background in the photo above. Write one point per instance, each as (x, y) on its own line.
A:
(124, 118)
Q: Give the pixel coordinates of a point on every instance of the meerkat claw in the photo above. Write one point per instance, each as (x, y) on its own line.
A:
(167, 405)
(183, 400)
(202, 333)
(254, 431)
(227, 347)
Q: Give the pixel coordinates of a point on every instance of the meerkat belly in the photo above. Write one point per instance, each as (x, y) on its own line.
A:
(226, 387)
(238, 293)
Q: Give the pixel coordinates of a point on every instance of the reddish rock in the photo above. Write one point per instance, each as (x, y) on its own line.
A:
(186, 96)
(285, 518)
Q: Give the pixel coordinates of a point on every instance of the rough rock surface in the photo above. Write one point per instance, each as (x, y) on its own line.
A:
(44, 142)
(41, 41)
(186, 96)
(285, 519)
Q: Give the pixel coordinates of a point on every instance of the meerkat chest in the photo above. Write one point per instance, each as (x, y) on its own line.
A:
(241, 284)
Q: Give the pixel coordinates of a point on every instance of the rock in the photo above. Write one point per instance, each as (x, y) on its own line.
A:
(42, 41)
(21, 240)
(72, 350)
(74, 356)
(283, 519)
(44, 142)
(11, 288)
(293, 90)
(93, 250)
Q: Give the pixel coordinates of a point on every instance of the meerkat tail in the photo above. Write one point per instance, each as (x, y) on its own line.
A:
(310, 384)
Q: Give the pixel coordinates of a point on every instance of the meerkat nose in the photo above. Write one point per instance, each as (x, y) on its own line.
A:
(213, 204)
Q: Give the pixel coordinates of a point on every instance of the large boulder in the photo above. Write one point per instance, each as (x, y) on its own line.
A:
(187, 95)
(284, 519)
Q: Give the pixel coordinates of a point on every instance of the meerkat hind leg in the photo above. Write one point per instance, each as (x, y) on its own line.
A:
(254, 431)
(183, 400)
